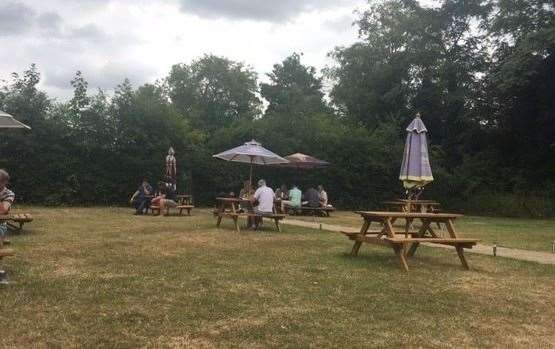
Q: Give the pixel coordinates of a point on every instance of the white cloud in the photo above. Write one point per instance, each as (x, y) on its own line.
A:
(15, 18)
(109, 40)
(273, 11)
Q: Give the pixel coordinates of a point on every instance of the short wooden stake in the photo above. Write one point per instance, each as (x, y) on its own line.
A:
(495, 249)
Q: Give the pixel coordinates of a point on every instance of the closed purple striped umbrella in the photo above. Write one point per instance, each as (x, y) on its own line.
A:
(415, 167)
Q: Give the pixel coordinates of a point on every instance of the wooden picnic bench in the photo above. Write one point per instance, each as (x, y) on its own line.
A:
(184, 203)
(326, 211)
(406, 241)
(17, 220)
(229, 208)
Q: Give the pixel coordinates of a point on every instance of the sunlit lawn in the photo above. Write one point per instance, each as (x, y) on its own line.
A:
(530, 234)
(101, 277)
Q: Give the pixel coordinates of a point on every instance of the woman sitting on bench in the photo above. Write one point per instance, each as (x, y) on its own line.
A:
(164, 197)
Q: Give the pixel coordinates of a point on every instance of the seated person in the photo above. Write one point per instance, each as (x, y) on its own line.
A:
(282, 193)
(265, 196)
(311, 198)
(323, 196)
(171, 194)
(246, 191)
(164, 197)
(245, 194)
(140, 199)
(294, 201)
(171, 183)
(7, 198)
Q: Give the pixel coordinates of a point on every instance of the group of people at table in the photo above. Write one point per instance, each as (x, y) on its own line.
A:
(284, 199)
(264, 198)
(165, 195)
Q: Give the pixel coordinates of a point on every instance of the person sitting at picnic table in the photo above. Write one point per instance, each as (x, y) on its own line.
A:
(171, 183)
(311, 198)
(323, 196)
(164, 196)
(245, 194)
(246, 191)
(295, 196)
(265, 196)
(282, 193)
(141, 198)
(7, 198)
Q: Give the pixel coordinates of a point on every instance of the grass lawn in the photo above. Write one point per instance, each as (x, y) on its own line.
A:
(528, 234)
(102, 277)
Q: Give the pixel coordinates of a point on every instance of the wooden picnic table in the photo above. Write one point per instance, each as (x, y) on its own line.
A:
(184, 199)
(405, 242)
(229, 208)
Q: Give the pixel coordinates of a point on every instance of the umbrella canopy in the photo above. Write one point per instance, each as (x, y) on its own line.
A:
(252, 153)
(303, 161)
(415, 167)
(8, 121)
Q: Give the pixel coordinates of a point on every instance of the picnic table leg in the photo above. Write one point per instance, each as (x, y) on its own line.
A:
(459, 248)
(400, 252)
(425, 226)
(278, 226)
(460, 252)
(221, 210)
(408, 224)
(236, 222)
(357, 244)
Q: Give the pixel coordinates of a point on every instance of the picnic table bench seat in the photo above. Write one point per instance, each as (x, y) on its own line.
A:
(17, 220)
(376, 232)
(156, 209)
(253, 214)
(326, 211)
(6, 252)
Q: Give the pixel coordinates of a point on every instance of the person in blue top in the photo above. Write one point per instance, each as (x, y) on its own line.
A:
(295, 196)
(141, 198)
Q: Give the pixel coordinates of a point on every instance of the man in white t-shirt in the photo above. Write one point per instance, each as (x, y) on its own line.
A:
(265, 197)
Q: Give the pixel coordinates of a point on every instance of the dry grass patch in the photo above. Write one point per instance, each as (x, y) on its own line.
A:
(99, 277)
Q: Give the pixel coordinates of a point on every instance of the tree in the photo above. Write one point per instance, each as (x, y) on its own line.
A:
(413, 58)
(214, 91)
(293, 89)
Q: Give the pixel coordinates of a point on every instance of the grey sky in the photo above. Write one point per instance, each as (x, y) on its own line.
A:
(109, 40)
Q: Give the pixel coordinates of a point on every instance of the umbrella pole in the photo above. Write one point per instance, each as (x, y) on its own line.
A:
(250, 176)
